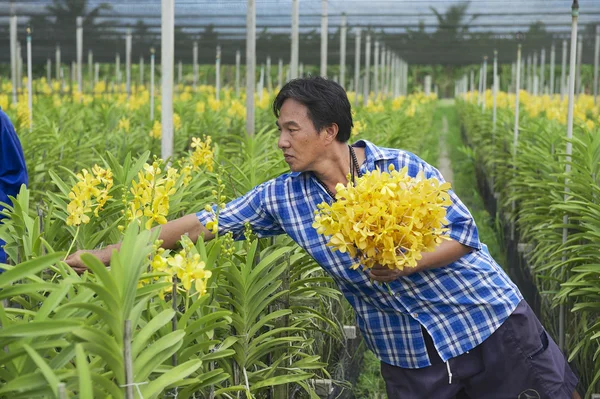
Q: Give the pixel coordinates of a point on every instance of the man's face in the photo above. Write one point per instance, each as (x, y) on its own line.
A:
(301, 143)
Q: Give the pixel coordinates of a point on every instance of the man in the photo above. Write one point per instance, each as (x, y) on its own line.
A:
(13, 172)
(455, 323)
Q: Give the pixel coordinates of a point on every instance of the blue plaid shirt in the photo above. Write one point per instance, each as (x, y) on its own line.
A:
(460, 305)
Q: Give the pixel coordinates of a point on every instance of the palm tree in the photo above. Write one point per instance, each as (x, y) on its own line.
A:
(59, 25)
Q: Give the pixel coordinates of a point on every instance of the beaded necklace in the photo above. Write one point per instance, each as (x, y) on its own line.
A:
(354, 170)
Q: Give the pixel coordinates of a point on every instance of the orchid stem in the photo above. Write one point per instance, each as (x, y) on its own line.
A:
(72, 243)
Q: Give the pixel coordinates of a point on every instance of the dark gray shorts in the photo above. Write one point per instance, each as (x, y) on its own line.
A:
(519, 360)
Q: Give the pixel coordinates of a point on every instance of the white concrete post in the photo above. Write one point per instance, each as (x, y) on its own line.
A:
(542, 70)
(179, 72)
(356, 65)
(563, 72)
(324, 35)
(141, 70)
(268, 72)
(552, 66)
(295, 41)
(167, 63)
(118, 68)
(79, 53)
(218, 73)
(575, 15)
(343, 52)
(49, 72)
(534, 75)
(376, 68)
(238, 57)
(516, 129)
(367, 70)
(280, 73)
(29, 80)
(195, 65)
(57, 57)
(484, 82)
(90, 77)
(251, 61)
(128, 62)
(13, 54)
(152, 85)
(578, 85)
(596, 61)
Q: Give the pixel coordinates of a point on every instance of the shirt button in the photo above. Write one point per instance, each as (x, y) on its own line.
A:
(415, 315)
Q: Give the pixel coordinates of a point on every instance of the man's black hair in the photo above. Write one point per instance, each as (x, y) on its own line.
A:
(326, 101)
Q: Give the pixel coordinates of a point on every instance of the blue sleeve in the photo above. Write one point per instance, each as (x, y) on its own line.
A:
(13, 172)
(249, 208)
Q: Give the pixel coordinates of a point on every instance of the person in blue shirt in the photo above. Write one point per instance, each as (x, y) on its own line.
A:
(13, 172)
(454, 324)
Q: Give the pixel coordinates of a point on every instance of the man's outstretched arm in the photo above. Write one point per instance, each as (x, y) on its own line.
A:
(170, 234)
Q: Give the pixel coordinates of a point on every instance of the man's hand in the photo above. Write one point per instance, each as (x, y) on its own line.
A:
(447, 252)
(104, 254)
(170, 234)
(385, 275)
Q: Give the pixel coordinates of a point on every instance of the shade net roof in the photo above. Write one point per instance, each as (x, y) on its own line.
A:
(421, 32)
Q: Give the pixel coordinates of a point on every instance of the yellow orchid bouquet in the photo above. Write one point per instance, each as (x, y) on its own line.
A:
(386, 219)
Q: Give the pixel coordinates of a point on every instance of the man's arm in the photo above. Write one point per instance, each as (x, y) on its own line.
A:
(170, 234)
(447, 252)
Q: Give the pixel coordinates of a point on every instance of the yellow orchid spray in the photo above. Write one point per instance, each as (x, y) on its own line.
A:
(386, 219)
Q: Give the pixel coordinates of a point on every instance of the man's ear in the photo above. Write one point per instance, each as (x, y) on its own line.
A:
(331, 132)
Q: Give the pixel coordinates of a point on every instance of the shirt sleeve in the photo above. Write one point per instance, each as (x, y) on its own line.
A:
(460, 221)
(249, 208)
(13, 172)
